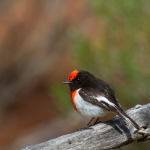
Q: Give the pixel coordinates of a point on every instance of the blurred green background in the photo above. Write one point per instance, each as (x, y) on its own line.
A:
(41, 41)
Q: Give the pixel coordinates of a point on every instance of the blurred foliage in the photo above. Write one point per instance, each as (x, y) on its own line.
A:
(115, 48)
(61, 95)
(121, 56)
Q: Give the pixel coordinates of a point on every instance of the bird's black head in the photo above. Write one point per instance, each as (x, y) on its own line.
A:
(79, 79)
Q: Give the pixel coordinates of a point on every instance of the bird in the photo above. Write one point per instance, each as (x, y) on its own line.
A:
(93, 97)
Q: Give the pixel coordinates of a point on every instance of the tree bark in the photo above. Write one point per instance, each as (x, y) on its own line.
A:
(107, 135)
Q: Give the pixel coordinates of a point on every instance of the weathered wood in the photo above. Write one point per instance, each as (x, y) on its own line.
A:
(108, 135)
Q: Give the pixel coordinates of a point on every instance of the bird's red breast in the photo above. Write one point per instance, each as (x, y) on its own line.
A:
(73, 94)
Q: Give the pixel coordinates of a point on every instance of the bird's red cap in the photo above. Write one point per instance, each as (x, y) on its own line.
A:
(73, 75)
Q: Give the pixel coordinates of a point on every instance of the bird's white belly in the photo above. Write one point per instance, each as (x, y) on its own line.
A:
(88, 109)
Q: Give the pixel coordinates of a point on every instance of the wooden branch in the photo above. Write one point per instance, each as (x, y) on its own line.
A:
(108, 135)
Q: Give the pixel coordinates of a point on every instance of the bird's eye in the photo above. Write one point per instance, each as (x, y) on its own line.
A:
(78, 79)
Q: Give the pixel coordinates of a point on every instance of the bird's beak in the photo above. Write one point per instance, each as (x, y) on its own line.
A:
(66, 82)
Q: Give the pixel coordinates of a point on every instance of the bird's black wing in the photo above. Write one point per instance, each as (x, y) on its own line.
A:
(107, 91)
(90, 95)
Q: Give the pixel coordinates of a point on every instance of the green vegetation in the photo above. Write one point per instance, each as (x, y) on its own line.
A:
(116, 48)
(61, 95)
(121, 54)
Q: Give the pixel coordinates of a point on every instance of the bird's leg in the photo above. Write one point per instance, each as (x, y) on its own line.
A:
(90, 122)
(88, 125)
(96, 121)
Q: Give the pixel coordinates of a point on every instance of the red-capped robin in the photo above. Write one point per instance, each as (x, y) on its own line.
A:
(93, 97)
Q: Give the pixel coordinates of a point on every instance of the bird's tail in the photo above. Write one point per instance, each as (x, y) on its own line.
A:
(123, 114)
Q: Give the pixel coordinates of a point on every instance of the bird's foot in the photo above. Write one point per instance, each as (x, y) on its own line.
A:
(141, 131)
(90, 123)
